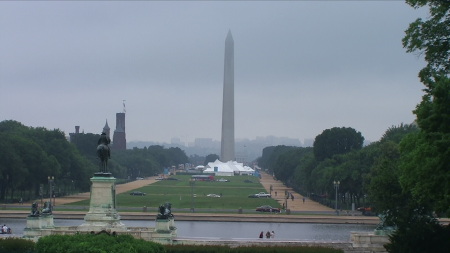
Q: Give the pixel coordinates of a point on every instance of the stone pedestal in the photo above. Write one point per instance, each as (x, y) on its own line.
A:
(38, 226)
(102, 213)
(165, 226)
(165, 231)
(369, 242)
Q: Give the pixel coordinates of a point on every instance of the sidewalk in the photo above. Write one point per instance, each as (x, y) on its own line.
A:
(278, 190)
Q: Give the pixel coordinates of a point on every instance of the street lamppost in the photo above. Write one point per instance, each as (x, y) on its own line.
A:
(336, 186)
(50, 183)
(192, 183)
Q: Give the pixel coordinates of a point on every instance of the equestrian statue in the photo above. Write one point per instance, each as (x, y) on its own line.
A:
(103, 153)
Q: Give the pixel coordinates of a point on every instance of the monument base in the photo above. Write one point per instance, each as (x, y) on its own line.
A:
(38, 226)
(369, 242)
(102, 215)
(165, 231)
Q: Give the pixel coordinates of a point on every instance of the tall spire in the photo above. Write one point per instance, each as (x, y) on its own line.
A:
(106, 128)
(227, 143)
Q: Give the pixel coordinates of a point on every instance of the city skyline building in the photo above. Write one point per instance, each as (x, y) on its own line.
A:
(107, 129)
(119, 137)
(227, 152)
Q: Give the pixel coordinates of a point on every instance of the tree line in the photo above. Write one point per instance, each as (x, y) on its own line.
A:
(29, 156)
(337, 155)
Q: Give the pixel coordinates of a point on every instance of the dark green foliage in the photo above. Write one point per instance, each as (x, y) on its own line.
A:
(384, 187)
(210, 158)
(424, 167)
(16, 245)
(101, 243)
(29, 155)
(396, 133)
(421, 234)
(270, 155)
(430, 37)
(425, 170)
(288, 161)
(148, 161)
(197, 249)
(248, 249)
(337, 140)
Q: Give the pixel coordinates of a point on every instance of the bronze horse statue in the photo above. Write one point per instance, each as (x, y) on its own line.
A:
(103, 152)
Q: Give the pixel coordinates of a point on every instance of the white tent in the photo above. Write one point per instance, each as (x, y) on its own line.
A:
(219, 169)
(230, 168)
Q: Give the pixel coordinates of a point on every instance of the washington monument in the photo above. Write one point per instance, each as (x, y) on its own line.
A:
(227, 148)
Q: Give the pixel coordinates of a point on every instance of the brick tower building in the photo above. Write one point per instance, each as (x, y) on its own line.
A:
(119, 138)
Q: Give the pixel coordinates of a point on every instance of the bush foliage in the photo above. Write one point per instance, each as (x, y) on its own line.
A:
(248, 249)
(16, 245)
(99, 243)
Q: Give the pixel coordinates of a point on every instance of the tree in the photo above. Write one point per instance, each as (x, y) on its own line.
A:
(426, 155)
(287, 163)
(269, 158)
(210, 158)
(396, 133)
(431, 38)
(424, 162)
(337, 140)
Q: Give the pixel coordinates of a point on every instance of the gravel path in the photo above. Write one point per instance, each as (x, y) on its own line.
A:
(278, 190)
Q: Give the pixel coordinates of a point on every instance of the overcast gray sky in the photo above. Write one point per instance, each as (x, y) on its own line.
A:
(300, 66)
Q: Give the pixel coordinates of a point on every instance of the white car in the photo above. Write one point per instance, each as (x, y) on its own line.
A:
(223, 180)
(263, 195)
(213, 195)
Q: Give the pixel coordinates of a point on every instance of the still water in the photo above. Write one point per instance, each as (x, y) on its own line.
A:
(233, 230)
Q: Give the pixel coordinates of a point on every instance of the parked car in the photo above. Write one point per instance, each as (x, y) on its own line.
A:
(139, 178)
(223, 180)
(137, 193)
(267, 208)
(260, 195)
(213, 195)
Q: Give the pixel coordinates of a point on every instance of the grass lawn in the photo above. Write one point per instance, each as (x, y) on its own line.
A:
(179, 193)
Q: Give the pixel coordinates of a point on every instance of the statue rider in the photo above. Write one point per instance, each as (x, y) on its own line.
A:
(105, 140)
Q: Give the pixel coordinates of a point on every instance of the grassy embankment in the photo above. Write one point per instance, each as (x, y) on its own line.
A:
(179, 194)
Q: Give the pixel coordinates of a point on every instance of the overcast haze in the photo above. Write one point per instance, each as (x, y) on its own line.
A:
(300, 66)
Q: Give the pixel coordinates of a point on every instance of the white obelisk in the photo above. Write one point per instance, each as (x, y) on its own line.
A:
(227, 148)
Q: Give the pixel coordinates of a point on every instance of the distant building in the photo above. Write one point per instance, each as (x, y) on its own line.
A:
(106, 129)
(119, 138)
(72, 136)
(175, 141)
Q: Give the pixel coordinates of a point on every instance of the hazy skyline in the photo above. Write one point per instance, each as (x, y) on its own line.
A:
(300, 66)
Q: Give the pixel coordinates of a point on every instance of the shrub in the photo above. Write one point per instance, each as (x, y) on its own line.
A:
(99, 243)
(420, 235)
(16, 245)
(248, 249)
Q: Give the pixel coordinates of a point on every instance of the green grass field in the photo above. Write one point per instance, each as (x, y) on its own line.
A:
(179, 193)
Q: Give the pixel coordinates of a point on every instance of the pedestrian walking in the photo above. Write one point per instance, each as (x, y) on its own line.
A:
(303, 200)
(268, 235)
(292, 197)
(261, 235)
(272, 234)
